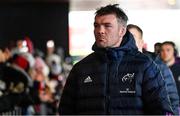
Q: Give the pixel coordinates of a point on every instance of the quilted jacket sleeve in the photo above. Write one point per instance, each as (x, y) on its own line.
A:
(67, 101)
(155, 96)
(170, 85)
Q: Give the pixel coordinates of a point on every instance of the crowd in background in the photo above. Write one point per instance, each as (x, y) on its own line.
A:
(31, 82)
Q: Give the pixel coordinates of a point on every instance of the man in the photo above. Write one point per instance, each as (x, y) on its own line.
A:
(168, 55)
(115, 78)
(157, 48)
(137, 32)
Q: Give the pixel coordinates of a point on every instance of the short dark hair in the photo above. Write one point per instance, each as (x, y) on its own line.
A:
(130, 26)
(113, 9)
(157, 44)
(169, 43)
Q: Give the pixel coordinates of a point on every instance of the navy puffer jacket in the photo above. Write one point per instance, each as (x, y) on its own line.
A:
(169, 81)
(115, 81)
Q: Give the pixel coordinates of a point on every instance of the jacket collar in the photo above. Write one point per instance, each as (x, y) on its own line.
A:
(127, 46)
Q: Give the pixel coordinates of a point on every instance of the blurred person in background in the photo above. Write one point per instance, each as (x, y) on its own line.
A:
(37, 85)
(116, 78)
(4, 55)
(26, 80)
(29, 44)
(137, 32)
(51, 54)
(168, 55)
(56, 78)
(55, 62)
(15, 83)
(24, 45)
(50, 47)
(67, 66)
(157, 48)
(42, 93)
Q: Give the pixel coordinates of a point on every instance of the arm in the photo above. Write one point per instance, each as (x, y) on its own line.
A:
(155, 96)
(68, 98)
(171, 88)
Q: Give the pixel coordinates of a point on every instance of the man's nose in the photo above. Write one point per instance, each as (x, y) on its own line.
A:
(101, 30)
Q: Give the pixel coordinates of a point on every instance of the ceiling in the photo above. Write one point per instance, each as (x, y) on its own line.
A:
(85, 5)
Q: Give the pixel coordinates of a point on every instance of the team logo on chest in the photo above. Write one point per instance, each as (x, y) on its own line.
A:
(127, 84)
(128, 78)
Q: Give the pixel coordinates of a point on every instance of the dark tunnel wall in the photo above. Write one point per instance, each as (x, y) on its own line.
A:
(40, 21)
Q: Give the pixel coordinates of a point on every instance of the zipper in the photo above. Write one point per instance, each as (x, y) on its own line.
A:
(107, 89)
(108, 97)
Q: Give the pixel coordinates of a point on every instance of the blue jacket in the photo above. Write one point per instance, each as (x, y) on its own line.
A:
(169, 81)
(175, 68)
(115, 81)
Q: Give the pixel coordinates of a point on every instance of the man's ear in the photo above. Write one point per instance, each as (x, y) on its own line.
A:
(122, 31)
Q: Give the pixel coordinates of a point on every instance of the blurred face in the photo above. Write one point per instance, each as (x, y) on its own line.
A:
(2, 58)
(138, 38)
(157, 49)
(108, 31)
(167, 53)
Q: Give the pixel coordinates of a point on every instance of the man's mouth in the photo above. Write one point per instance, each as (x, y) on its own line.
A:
(101, 40)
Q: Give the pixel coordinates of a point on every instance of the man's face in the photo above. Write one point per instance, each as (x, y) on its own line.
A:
(108, 31)
(157, 49)
(167, 52)
(138, 38)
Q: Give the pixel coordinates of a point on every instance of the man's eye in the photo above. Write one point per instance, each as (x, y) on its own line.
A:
(108, 25)
(95, 25)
